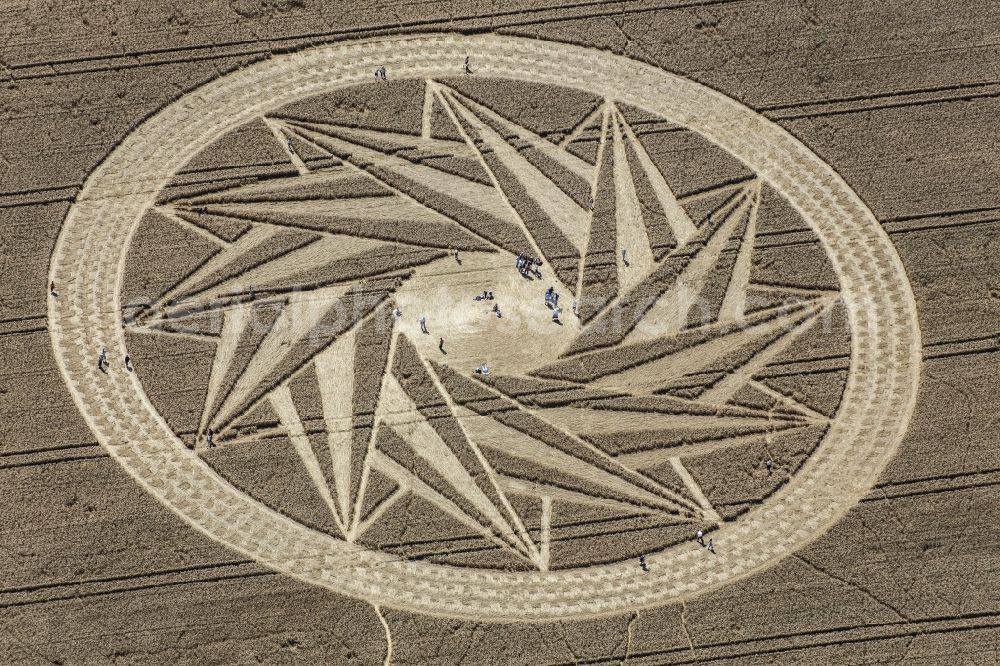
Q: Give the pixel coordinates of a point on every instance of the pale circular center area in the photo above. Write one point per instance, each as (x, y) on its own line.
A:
(523, 338)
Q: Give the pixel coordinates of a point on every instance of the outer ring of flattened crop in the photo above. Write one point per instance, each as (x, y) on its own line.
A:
(878, 401)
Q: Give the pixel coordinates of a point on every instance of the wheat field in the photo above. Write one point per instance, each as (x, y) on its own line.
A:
(544, 334)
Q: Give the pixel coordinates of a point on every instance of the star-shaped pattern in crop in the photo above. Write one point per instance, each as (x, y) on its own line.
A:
(652, 367)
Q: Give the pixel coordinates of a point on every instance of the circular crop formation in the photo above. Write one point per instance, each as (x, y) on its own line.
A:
(509, 338)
